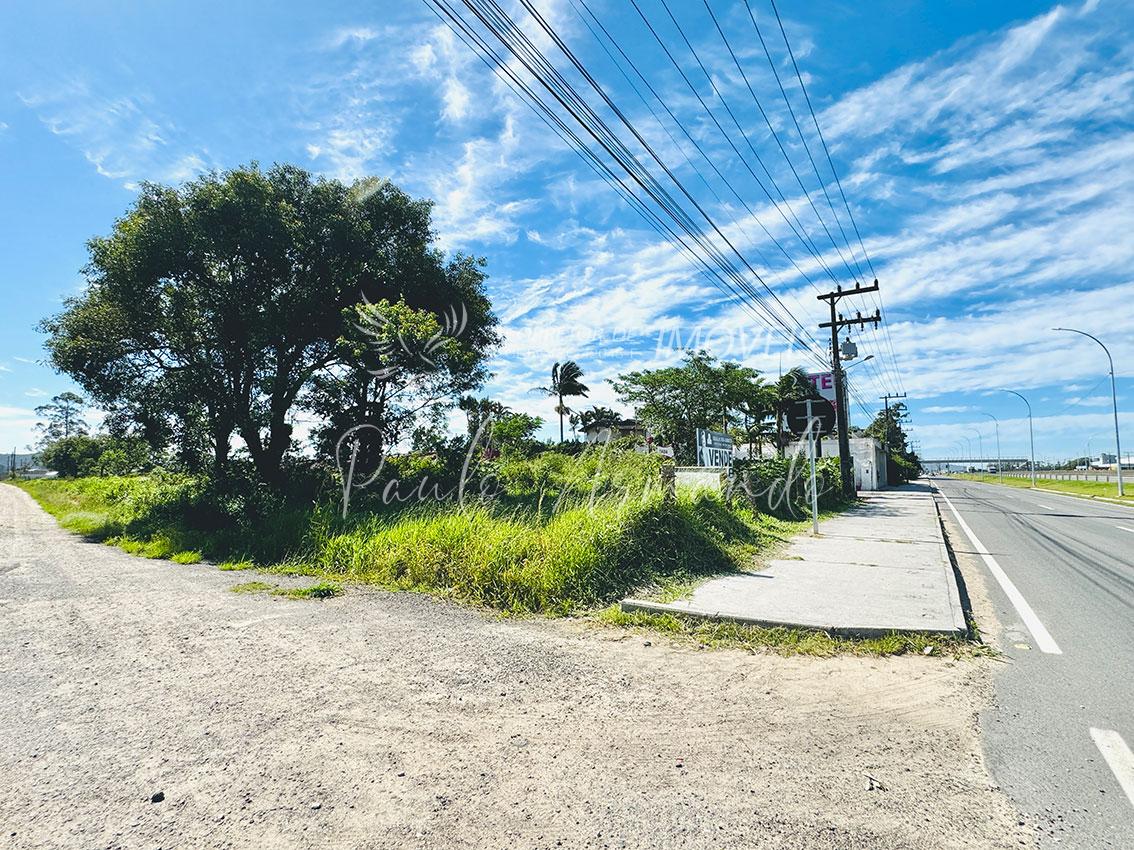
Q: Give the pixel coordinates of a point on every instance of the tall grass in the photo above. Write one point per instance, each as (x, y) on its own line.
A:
(521, 560)
(563, 532)
(163, 515)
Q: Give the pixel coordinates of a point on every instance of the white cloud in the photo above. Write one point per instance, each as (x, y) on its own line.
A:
(456, 99)
(122, 135)
(351, 35)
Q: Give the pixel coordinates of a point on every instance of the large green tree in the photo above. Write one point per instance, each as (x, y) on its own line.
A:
(902, 463)
(213, 306)
(702, 392)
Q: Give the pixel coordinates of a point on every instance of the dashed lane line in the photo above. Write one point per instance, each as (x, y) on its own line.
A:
(1118, 757)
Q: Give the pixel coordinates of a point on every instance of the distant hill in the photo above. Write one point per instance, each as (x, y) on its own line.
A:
(8, 461)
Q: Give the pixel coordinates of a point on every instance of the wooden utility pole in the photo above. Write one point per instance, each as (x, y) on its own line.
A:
(886, 433)
(846, 470)
(886, 430)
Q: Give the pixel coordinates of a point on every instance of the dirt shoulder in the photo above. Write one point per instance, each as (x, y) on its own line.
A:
(394, 720)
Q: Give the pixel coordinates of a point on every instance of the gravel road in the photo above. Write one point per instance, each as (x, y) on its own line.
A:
(380, 720)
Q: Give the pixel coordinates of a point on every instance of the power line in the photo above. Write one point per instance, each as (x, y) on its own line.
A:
(567, 52)
(504, 30)
(771, 128)
(696, 145)
(835, 174)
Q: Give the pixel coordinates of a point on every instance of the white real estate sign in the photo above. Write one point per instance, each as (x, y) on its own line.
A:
(713, 448)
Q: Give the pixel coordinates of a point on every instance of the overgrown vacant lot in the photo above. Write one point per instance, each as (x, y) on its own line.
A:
(562, 533)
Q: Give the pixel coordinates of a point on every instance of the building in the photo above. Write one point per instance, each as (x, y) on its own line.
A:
(866, 453)
(603, 432)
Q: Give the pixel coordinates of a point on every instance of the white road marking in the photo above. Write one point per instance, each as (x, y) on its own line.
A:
(1124, 528)
(1045, 507)
(1042, 637)
(1118, 757)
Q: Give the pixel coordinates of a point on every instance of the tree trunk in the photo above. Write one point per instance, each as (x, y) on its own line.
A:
(561, 417)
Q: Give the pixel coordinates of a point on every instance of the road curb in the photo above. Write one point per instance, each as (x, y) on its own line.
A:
(959, 620)
(644, 606)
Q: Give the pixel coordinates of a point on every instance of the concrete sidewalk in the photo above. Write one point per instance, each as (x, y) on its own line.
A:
(880, 567)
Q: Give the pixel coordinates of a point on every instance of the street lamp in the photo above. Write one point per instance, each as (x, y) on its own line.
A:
(1031, 434)
(1113, 398)
(999, 463)
(980, 441)
(859, 363)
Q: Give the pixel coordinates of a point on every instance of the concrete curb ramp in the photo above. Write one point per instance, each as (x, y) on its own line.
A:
(880, 567)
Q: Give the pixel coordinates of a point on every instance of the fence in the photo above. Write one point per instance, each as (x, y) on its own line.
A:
(1056, 475)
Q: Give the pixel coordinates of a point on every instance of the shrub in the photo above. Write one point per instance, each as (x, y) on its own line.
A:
(781, 485)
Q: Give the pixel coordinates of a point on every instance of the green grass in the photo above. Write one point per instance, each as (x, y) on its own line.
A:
(523, 561)
(234, 566)
(1091, 489)
(557, 542)
(715, 634)
(569, 535)
(323, 590)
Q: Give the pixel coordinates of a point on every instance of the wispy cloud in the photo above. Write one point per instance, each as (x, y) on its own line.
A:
(350, 35)
(122, 135)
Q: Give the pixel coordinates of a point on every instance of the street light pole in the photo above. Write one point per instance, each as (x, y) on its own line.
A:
(980, 441)
(1031, 434)
(1113, 398)
(999, 463)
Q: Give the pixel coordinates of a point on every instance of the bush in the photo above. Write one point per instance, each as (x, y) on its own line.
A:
(101, 455)
(781, 485)
(560, 533)
(162, 514)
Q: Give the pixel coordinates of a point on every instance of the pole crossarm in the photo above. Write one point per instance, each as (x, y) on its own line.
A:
(859, 319)
(839, 292)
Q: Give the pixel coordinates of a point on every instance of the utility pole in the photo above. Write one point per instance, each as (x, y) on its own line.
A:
(886, 434)
(846, 471)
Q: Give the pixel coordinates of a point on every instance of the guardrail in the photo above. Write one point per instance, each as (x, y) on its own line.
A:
(1069, 475)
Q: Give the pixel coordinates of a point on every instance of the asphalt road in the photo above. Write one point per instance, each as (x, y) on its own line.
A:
(1069, 635)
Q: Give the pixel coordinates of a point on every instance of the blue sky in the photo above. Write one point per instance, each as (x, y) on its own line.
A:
(987, 151)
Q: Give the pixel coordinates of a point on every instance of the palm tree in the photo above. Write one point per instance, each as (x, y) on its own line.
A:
(565, 382)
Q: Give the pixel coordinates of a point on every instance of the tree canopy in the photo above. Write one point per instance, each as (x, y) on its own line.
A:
(700, 393)
(212, 309)
(903, 463)
(62, 418)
